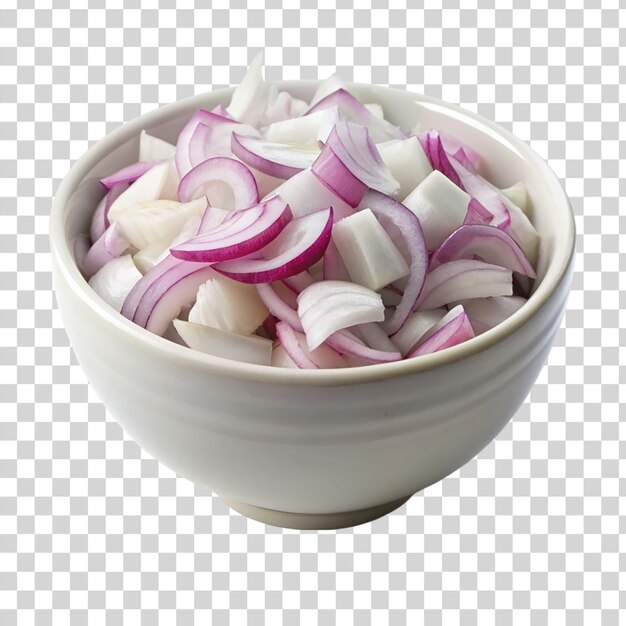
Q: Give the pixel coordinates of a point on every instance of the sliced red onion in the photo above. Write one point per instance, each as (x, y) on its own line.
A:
(259, 225)
(477, 214)
(227, 183)
(401, 224)
(289, 341)
(345, 343)
(305, 193)
(433, 147)
(280, 358)
(299, 282)
(224, 344)
(330, 170)
(278, 306)
(114, 280)
(329, 306)
(128, 174)
(301, 244)
(485, 313)
(416, 327)
(488, 242)
(212, 217)
(375, 337)
(163, 292)
(274, 159)
(355, 149)
(109, 246)
(453, 329)
(334, 267)
(154, 149)
(462, 153)
(462, 280)
(350, 108)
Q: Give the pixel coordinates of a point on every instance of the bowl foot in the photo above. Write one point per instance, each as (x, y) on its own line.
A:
(313, 521)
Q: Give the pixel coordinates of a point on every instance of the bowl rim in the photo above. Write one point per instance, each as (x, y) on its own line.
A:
(62, 254)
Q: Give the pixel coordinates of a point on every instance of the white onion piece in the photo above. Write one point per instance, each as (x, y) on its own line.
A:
(114, 280)
(327, 86)
(303, 131)
(438, 157)
(376, 110)
(251, 349)
(146, 258)
(146, 188)
(281, 106)
(147, 222)
(305, 193)
(228, 305)
(369, 255)
(415, 328)
(249, 100)
(109, 246)
(375, 337)
(518, 195)
(329, 306)
(407, 162)
(453, 328)
(485, 313)
(440, 206)
(154, 149)
(462, 280)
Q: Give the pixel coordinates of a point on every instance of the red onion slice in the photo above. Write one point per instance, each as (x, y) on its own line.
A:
(352, 109)
(345, 343)
(289, 341)
(491, 244)
(265, 222)
(416, 327)
(401, 224)
(358, 153)
(301, 244)
(477, 214)
(453, 329)
(462, 280)
(111, 244)
(334, 267)
(274, 159)
(128, 174)
(438, 157)
(330, 170)
(332, 305)
(227, 183)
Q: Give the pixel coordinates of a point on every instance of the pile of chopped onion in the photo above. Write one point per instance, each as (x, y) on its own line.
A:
(308, 234)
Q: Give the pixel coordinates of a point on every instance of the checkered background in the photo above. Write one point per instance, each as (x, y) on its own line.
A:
(94, 531)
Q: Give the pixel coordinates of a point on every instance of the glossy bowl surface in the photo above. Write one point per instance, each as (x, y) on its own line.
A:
(325, 447)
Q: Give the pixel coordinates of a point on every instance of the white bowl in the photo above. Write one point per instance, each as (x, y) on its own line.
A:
(323, 448)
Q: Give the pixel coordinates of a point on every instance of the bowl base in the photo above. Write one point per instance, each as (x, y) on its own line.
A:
(313, 521)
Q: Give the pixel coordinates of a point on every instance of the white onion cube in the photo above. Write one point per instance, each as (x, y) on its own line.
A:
(407, 162)
(369, 254)
(440, 205)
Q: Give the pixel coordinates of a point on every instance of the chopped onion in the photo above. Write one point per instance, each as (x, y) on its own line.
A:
(440, 205)
(334, 267)
(154, 149)
(301, 244)
(454, 328)
(346, 344)
(228, 305)
(281, 106)
(128, 174)
(113, 281)
(485, 313)
(329, 306)
(109, 246)
(402, 225)
(491, 244)
(224, 344)
(227, 184)
(407, 162)
(461, 280)
(438, 157)
(296, 347)
(274, 159)
(153, 185)
(375, 337)
(245, 232)
(367, 251)
(477, 214)
(280, 358)
(249, 99)
(415, 327)
(303, 131)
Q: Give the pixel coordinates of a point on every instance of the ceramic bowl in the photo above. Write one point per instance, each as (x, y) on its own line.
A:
(325, 448)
